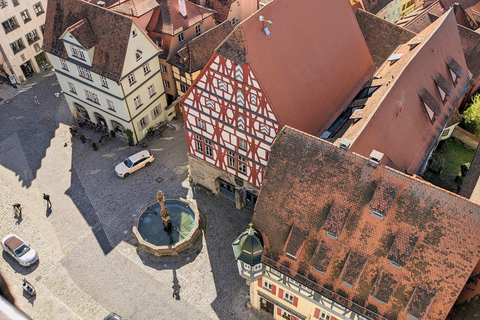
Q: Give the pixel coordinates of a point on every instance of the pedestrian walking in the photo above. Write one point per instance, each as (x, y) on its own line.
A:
(35, 99)
(47, 198)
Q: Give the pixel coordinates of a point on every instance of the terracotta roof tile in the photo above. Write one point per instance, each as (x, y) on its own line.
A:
(82, 32)
(420, 302)
(134, 8)
(109, 51)
(295, 241)
(336, 220)
(374, 6)
(422, 17)
(403, 247)
(222, 8)
(471, 49)
(339, 50)
(306, 174)
(353, 269)
(383, 197)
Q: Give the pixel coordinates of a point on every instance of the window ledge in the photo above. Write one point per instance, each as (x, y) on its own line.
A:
(131, 84)
(40, 13)
(28, 20)
(8, 31)
(153, 94)
(145, 73)
(138, 106)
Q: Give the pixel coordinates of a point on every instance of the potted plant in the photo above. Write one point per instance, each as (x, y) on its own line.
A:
(94, 146)
(129, 134)
(82, 137)
(112, 133)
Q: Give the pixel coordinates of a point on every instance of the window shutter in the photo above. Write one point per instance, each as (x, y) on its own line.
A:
(295, 301)
(139, 125)
(280, 293)
(317, 313)
(260, 282)
(293, 318)
(147, 121)
(274, 289)
(279, 311)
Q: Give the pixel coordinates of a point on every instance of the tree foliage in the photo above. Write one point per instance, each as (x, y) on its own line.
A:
(471, 116)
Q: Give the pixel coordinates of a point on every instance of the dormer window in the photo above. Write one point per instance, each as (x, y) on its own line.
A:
(456, 71)
(291, 256)
(138, 55)
(77, 53)
(444, 88)
(378, 215)
(432, 107)
(395, 57)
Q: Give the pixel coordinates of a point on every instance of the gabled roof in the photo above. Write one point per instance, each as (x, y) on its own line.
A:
(195, 54)
(374, 6)
(222, 8)
(109, 31)
(407, 107)
(471, 49)
(382, 36)
(82, 32)
(167, 19)
(134, 8)
(314, 59)
(420, 18)
(432, 233)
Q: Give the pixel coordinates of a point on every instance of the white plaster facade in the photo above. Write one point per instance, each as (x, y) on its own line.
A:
(22, 28)
(127, 104)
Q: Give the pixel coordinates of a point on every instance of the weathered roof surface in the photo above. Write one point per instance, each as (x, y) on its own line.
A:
(470, 7)
(396, 109)
(374, 6)
(111, 31)
(382, 36)
(471, 186)
(134, 8)
(471, 48)
(167, 19)
(319, 74)
(195, 54)
(82, 32)
(420, 18)
(303, 177)
(222, 8)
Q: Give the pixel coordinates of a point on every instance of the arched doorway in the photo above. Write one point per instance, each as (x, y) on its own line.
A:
(82, 112)
(118, 129)
(100, 119)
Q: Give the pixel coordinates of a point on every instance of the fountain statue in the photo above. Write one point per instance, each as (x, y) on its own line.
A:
(167, 222)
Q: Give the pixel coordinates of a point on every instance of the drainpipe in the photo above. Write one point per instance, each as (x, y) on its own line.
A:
(128, 109)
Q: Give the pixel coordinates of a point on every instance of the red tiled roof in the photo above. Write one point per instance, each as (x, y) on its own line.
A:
(82, 32)
(471, 48)
(312, 64)
(374, 6)
(305, 174)
(109, 50)
(222, 8)
(134, 8)
(422, 17)
(396, 109)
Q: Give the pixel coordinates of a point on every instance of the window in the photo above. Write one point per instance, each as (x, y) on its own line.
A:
(42, 28)
(240, 122)
(17, 46)
(267, 286)
(134, 33)
(15, 3)
(183, 87)
(199, 144)
(222, 85)
(143, 122)
(241, 165)
(64, 64)
(3, 3)
(182, 72)
(208, 148)
(37, 48)
(146, 68)
(37, 7)
(110, 105)
(72, 87)
(246, 266)
(324, 316)
(84, 73)
(155, 112)
(91, 96)
(25, 16)
(377, 214)
(151, 90)
(181, 37)
(253, 99)
(197, 29)
(210, 104)
(163, 68)
(10, 24)
(138, 55)
(257, 267)
(131, 78)
(288, 297)
(77, 53)
(32, 36)
(264, 129)
(201, 124)
(166, 84)
(242, 144)
(231, 159)
(286, 315)
(137, 102)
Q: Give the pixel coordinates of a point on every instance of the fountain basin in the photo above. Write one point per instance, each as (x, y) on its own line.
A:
(154, 239)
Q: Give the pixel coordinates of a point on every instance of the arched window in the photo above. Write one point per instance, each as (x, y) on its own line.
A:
(239, 73)
(240, 100)
(81, 111)
(240, 122)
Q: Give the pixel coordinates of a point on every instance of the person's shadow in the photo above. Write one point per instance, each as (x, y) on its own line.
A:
(49, 211)
(176, 286)
(19, 218)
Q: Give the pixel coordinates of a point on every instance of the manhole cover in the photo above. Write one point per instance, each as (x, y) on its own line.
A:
(159, 179)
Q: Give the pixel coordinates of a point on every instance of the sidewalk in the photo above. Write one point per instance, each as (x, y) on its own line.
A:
(7, 92)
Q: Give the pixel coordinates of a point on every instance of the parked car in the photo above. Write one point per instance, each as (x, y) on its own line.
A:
(19, 250)
(133, 163)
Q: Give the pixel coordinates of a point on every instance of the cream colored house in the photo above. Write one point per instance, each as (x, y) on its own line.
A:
(23, 22)
(107, 66)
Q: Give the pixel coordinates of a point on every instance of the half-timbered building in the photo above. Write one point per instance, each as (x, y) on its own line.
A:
(267, 73)
(343, 237)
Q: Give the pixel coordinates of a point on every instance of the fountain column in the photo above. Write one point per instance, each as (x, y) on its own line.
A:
(167, 222)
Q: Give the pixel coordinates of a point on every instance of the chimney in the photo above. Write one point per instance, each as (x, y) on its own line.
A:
(375, 157)
(101, 3)
(345, 143)
(182, 8)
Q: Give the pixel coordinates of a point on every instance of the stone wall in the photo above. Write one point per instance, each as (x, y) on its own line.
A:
(466, 137)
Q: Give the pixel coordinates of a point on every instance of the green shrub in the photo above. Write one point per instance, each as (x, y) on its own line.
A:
(471, 116)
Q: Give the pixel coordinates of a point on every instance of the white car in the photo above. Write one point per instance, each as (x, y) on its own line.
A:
(19, 250)
(133, 163)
